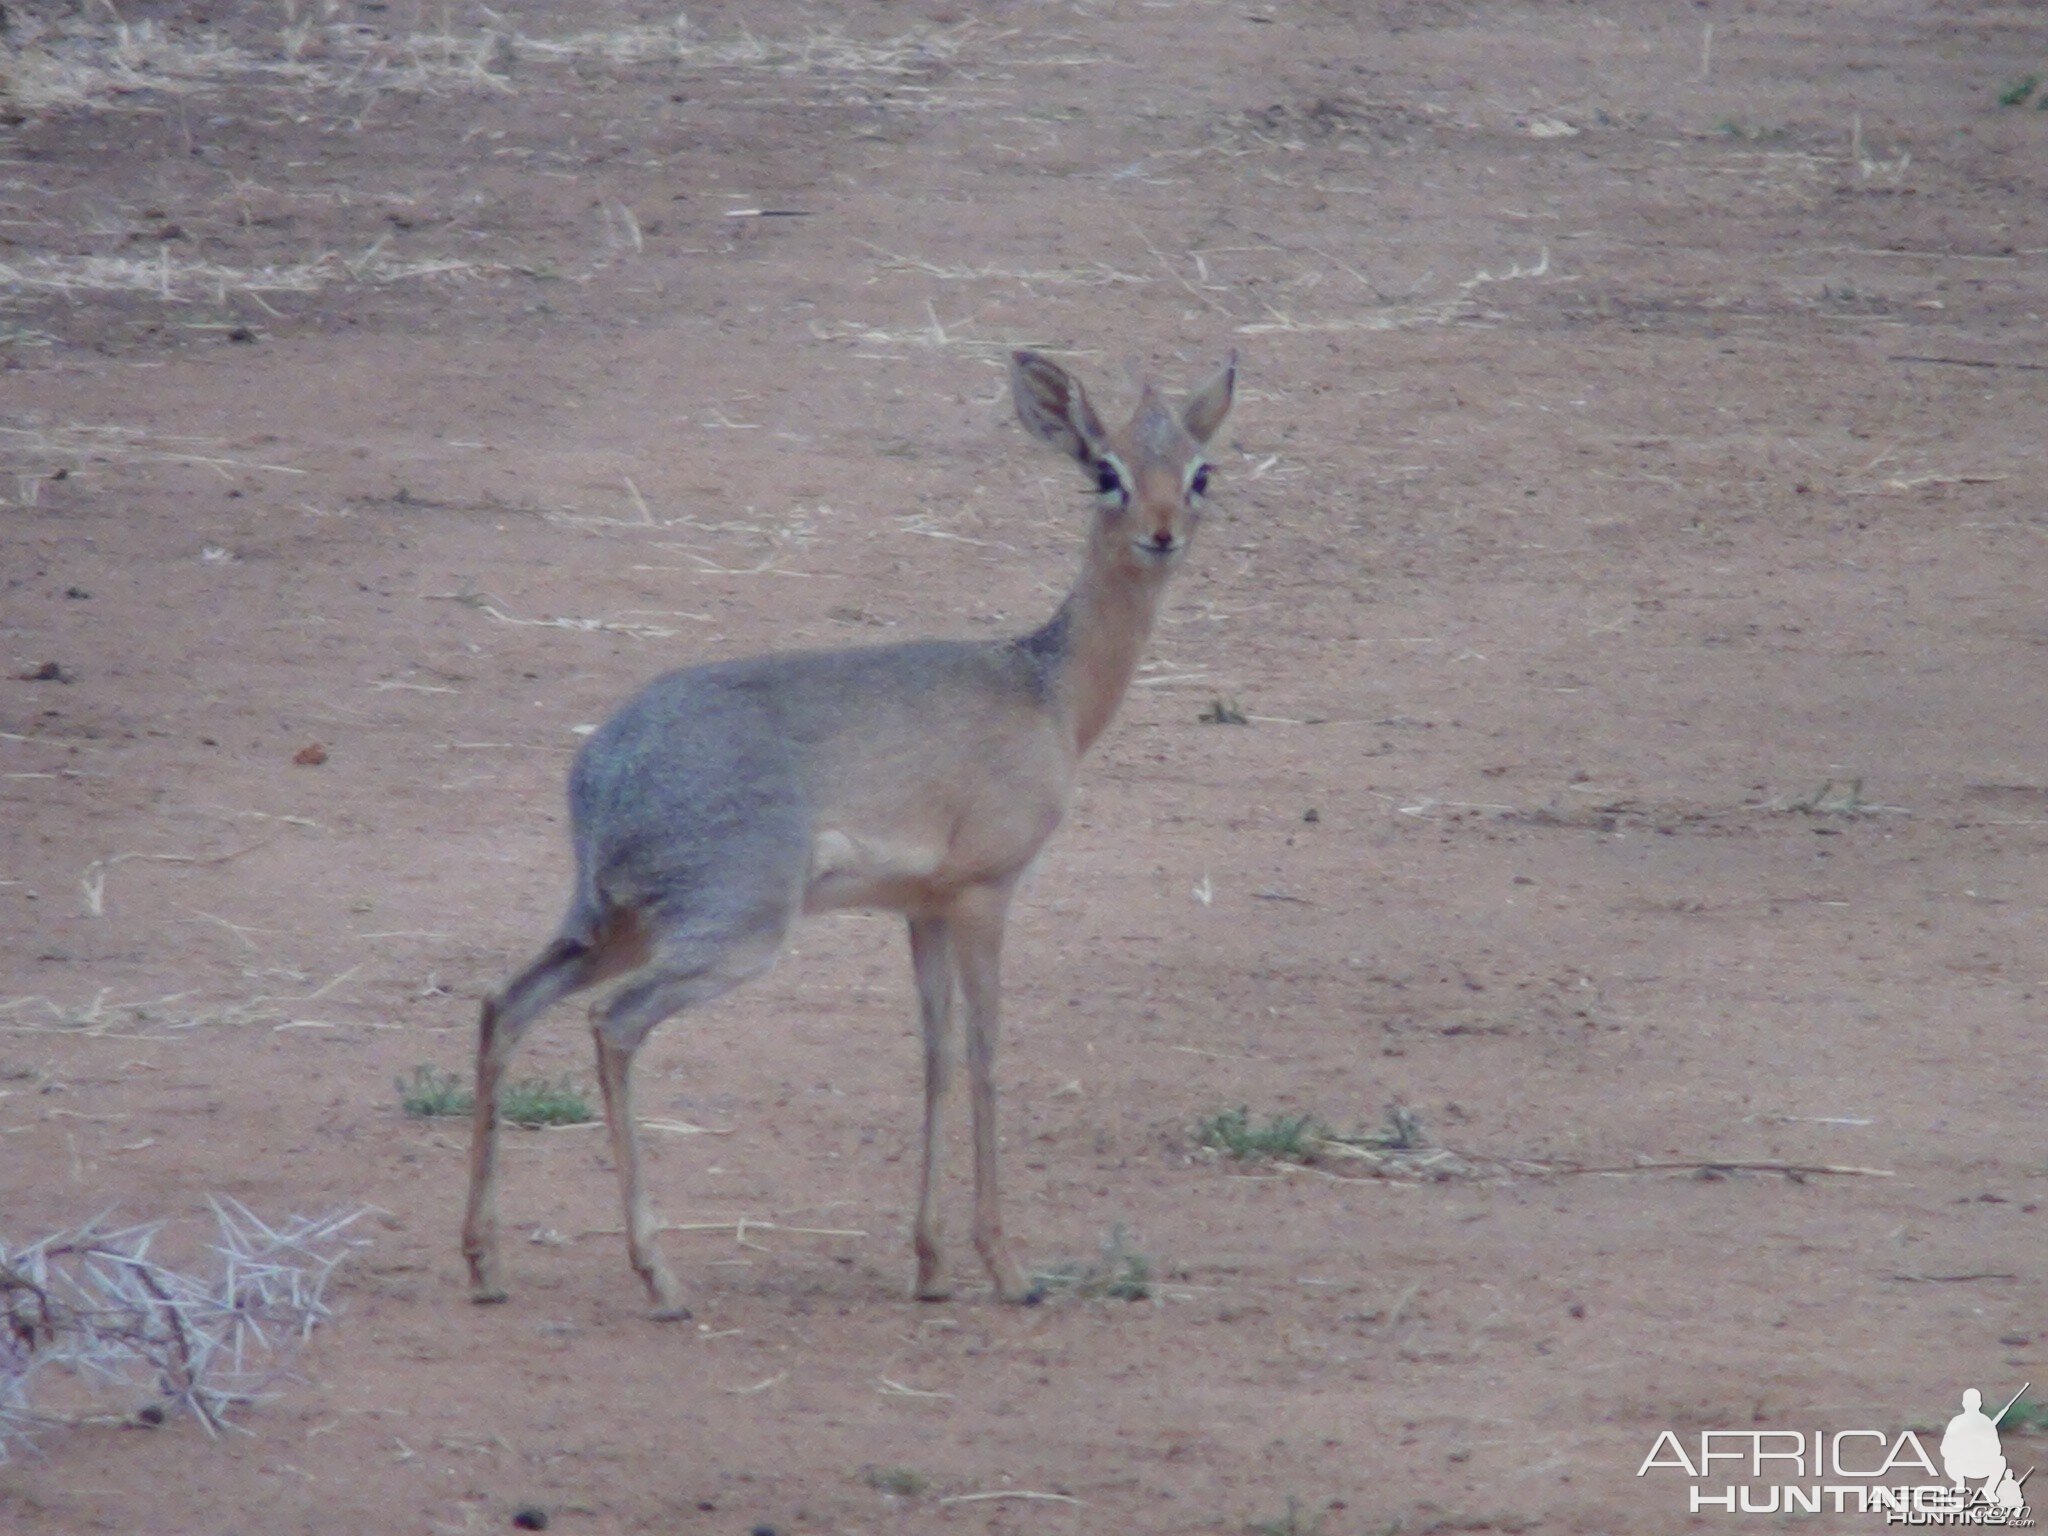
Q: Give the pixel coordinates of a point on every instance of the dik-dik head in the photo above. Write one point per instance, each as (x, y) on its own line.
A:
(1151, 473)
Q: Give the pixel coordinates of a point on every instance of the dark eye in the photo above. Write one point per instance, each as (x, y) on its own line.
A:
(1200, 484)
(1107, 480)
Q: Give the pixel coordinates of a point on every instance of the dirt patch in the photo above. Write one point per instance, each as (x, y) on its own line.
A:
(1625, 561)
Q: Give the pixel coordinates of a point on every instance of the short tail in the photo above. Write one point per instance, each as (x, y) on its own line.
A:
(592, 947)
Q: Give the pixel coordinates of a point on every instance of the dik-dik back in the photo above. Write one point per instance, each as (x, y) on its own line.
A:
(882, 777)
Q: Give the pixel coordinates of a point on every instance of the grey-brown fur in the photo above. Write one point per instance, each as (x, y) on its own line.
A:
(724, 801)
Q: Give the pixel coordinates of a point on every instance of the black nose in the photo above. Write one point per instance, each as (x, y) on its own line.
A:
(1163, 539)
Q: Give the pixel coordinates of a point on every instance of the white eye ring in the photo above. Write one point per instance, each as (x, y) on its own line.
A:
(1112, 486)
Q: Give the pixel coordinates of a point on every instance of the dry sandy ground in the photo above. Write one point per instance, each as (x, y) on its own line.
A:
(1627, 549)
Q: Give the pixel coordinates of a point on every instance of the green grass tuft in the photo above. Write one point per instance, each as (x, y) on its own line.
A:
(1306, 1138)
(2025, 1417)
(2017, 91)
(1117, 1273)
(430, 1092)
(532, 1101)
(536, 1101)
(1284, 1138)
(1746, 133)
(903, 1482)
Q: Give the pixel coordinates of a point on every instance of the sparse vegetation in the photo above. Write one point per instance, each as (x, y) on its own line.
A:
(536, 1101)
(2017, 92)
(1117, 1273)
(431, 1092)
(95, 1305)
(1222, 711)
(1305, 1138)
(902, 1482)
(1285, 1138)
(81, 60)
(1293, 1523)
(2028, 1416)
(1829, 798)
(1402, 1133)
(1747, 133)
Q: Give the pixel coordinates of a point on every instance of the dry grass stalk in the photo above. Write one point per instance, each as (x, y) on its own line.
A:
(81, 61)
(175, 282)
(104, 1020)
(1461, 306)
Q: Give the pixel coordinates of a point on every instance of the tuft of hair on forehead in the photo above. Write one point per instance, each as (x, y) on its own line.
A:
(1156, 429)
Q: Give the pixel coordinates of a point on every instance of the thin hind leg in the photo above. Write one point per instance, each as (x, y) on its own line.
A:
(563, 967)
(620, 1024)
(615, 1077)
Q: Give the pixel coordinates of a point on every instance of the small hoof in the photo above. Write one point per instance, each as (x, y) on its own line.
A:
(1013, 1290)
(672, 1312)
(489, 1295)
(938, 1290)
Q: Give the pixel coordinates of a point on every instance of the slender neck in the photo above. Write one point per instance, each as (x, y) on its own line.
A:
(1092, 645)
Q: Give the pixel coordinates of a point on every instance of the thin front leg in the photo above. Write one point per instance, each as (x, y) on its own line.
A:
(931, 954)
(978, 948)
(615, 1075)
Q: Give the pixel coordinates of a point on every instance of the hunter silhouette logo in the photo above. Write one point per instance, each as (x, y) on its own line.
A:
(1970, 1449)
(1854, 1471)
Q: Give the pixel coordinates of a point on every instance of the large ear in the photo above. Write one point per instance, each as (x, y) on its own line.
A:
(1207, 406)
(1052, 405)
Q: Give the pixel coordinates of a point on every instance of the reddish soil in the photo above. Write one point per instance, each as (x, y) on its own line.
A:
(1628, 548)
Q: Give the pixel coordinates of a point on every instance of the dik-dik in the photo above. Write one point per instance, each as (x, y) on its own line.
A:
(725, 801)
